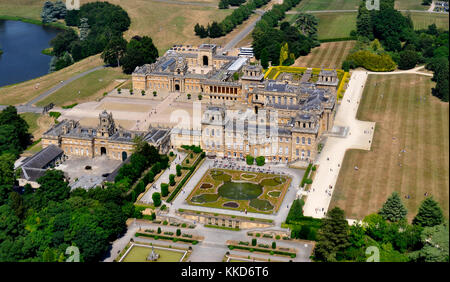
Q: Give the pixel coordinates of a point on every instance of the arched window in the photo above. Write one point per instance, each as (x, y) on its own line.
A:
(309, 141)
(303, 140)
(298, 140)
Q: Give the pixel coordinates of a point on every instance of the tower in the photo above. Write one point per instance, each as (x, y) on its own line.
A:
(106, 126)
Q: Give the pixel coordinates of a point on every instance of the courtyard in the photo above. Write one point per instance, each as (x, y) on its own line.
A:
(88, 172)
(240, 190)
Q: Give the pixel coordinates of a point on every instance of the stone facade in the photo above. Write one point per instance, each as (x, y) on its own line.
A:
(107, 139)
(282, 120)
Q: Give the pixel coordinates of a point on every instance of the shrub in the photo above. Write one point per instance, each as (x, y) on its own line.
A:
(249, 159)
(200, 97)
(54, 115)
(254, 241)
(178, 168)
(164, 189)
(372, 61)
(163, 207)
(183, 225)
(258, 235)
(172, 180)
(278, 237)
(165, 222)
(159, 230)
(156, 197)
(154, 93)
(171, 154)
(260, 161)
(178, 232)
(308, 181)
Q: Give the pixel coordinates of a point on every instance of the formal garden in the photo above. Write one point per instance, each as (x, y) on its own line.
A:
(147, 253)
(238, 190)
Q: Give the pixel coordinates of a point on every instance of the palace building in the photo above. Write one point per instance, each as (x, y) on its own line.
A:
(282, 120)
(106, 139)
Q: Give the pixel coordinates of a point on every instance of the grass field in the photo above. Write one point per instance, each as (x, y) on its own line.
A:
(332, 25)
(407, 118)
(335, 25)
(319, 5)
(140, 253)
(25, 91)
(327, 55)
(31, 119)
(423, 20)
(410, 5)
(22, 8)
(91, 86)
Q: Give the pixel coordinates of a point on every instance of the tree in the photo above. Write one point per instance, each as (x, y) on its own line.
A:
(215, 30)
(114, 51)
(307, 24)
(14, 136)
(408, 59)
(435, 241)
(62, 42)
(430, 214)
(53, 187)
(332, 237)
(223, 4)
(178, 169)
(254, 241)
(156, 197)
(172, 179)
(140, 51)
(264, 58)
(178, 232)
(393, 209)
(274, 245)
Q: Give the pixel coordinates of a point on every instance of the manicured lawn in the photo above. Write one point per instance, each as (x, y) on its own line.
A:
(86, 88)
(407, 118)
(319, 5)
(327, 55)
(423, 20)
(140, 253)
(31, 119)
(410, 5)
(335, 25)
(32, 88)
(228, 189)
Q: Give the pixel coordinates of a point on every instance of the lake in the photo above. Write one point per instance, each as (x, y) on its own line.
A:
(22, 44)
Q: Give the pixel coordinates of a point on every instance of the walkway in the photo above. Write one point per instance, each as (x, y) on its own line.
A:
(360, 137)
(164, 178)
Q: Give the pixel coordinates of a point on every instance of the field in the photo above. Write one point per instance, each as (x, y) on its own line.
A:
(30, 89)
(30, 9)
(90, 86)
(140, 253)
(335, 25)
(240, 190)
(410, 5)
(410, 152)
(327, 55)
(38, 124)
(423, 20)
(319, 5)
(332, 25)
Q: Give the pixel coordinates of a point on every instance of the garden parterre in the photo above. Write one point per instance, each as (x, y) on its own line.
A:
(240, 190)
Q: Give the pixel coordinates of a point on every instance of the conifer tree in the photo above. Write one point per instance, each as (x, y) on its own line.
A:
(393, 209)
(430, 214)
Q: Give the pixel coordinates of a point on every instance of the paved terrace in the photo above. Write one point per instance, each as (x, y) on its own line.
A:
(360, 135)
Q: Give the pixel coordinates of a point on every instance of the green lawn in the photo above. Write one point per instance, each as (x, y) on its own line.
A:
(335, 25)
(140, 253)
(31, 119)
(410, 5)
(319, 5)
(90, 86)
(423, 20)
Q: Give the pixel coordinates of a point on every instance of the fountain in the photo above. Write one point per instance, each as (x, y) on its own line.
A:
(153, 256)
